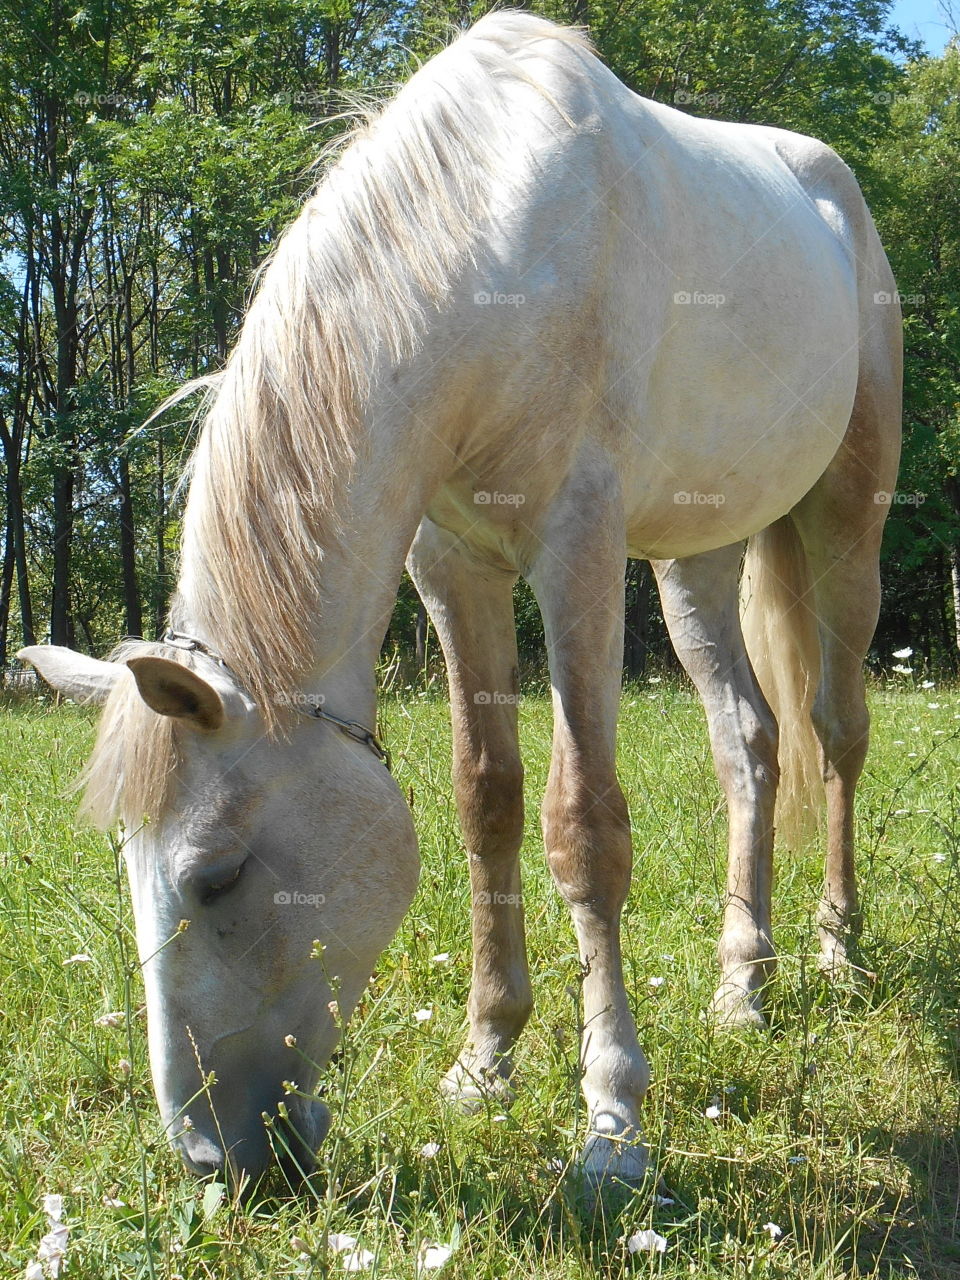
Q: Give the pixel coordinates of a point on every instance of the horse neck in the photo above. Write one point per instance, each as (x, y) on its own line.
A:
(360, 572)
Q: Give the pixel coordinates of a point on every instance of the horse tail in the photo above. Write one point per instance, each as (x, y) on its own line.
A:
(780, 630)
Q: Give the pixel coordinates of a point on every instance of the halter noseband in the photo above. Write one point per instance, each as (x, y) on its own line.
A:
(352, 728)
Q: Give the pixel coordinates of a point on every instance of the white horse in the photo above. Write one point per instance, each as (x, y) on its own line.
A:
(530, 323)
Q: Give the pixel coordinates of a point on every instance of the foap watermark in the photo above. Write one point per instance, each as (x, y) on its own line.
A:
(494, 698)
(493, 498)
(888, 98)
(485, 899)
(685, 498)
(883, 298)
(884, 499)
(687, 98)
(85, 99)
(294, 898)
(497, 298)
(301, 98)
(310, 701)
(698, 298)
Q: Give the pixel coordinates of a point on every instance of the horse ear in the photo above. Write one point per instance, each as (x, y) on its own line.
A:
(174, 690)
(73, 674)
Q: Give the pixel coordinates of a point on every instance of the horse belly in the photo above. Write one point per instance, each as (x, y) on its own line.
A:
(744, 392)
(723, 454)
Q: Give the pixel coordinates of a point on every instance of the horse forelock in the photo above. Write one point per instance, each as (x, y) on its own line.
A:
(130, 772)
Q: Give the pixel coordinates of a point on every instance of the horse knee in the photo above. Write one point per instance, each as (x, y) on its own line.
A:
(843, 734)
(586, 832)
(490, 802)
(746, 750)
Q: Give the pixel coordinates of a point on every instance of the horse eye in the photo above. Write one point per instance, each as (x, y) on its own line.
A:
(216, 888)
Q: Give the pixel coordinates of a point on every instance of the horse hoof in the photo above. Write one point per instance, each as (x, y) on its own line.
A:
(836, 966)
(472, 1089)
(734, 1007)
(607, 1167)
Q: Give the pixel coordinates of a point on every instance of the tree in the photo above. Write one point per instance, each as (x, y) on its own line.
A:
(919, 219)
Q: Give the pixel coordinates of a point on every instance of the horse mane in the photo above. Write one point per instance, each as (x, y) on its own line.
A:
(377, 247)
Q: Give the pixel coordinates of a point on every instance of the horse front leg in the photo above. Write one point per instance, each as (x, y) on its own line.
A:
(472, 609)
(578, 579)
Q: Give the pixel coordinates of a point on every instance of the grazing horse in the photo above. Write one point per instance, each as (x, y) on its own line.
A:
(528, 324)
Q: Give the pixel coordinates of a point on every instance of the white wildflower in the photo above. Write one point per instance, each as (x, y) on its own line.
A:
(433, 1256)
(903, 653)
(429, 1150)
(663, 1202)
(53, 1207)
(53, 1248)
(81, 958)
(656, 982)
(712, 1112)
(939, 857)
(443, 957)
(340, 1243)
(358, 1260)
(772, 1230)
(646, 1242)
(902, 670)
(423, 1015)
(112, 1020)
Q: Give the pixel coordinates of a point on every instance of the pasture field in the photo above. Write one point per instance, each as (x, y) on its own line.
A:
(839, 1127)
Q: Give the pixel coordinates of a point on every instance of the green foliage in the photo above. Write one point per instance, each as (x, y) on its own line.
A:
(919, 218)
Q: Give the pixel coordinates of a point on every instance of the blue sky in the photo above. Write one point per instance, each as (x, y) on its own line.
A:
(922, 20)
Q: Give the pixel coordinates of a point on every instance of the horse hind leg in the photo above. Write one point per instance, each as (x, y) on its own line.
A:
(840, 523)
(700, 606)
(472, 609)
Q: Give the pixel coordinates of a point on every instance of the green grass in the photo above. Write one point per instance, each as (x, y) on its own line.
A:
(841, 1125)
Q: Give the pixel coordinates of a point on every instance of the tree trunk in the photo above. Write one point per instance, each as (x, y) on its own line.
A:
(160, 590)
(14, 497)
(951, 486)
(60, 623)
(420, 641)
(580, 13)
(132, 613)
(6, 587)
(636, 619)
